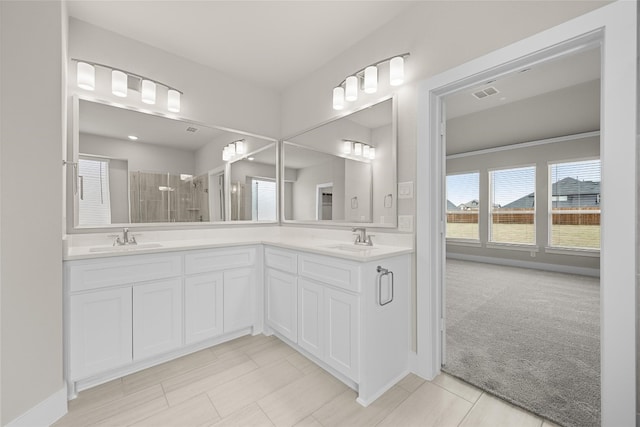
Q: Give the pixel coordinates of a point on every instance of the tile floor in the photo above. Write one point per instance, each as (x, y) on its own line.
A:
(260, 381)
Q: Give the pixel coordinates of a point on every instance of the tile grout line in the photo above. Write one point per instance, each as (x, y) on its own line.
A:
(470, 409)
(454, 393)
(264, 412)
(214, 408)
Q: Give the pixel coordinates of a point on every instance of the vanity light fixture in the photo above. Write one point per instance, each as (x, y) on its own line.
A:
(233, 149)
(346, 146)
(122, 81)
(367, 79)
(359, 149)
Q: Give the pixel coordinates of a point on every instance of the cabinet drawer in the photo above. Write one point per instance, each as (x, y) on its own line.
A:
(281, 260)
(331, 271)
(218, 259)
(101, 273)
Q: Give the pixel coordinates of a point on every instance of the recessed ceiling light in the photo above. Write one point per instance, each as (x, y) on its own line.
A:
(251, 159)
(133, 137)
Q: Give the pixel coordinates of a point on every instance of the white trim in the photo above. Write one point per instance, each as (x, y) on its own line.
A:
(44, 413)
(524, 145)
(614, 26)
(512, 247)
(558, 268)
(594, 253)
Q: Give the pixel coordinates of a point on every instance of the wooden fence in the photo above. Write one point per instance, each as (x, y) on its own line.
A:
(568, 216)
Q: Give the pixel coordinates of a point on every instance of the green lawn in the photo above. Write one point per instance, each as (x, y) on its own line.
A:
(580, 236)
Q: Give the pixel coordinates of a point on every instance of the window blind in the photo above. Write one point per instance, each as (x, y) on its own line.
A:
(463, 204)
(263, 200)
(95, 204)
(512, 209)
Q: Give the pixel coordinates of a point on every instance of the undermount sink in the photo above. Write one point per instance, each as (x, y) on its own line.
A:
(351, 248)
(124, 248)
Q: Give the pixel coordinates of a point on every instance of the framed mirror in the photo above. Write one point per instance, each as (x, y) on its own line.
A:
(343, 171)
(135, 168)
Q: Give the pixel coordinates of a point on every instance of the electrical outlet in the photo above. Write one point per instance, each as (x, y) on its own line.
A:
(405, 223)
(405, 190)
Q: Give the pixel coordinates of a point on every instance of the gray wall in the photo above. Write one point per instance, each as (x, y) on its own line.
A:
(304, 189)
(384, 180)
(32, 130)
(540, 156)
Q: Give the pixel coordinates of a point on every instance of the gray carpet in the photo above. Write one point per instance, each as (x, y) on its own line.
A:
(530, 337)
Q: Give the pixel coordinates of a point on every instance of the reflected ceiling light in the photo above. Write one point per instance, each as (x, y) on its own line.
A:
(372, 153)
(251, 159)
(396, 71)
(119, 83)
(132, 137)
(338, 98)
(357, 148)
(122, 81)
(351, 88)
(86, 76)
(148, 92)
(233, 149)
(367, 79)
(366, 150)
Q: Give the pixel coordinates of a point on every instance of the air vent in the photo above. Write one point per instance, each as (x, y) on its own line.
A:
(192, 129)
(486, 92)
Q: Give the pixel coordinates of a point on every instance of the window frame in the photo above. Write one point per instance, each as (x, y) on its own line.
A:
(567, 250)
(512, 245)
(458, 240)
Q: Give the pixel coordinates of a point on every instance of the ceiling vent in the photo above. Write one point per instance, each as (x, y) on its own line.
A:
(192, 129)
(485, 92)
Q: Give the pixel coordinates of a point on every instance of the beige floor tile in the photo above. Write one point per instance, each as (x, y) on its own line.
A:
(308, 422)
(459, 387)
(343, 410)
(98, 395)
(546, 423)
(195, 412)
(133, 415)
(299, 399)
(250, 415)
(302, 363)
(492, 412)
(144, 402)
(429, 405)
(234, 395)
(241, 344)
(269, 352)
(183, 387)
(158, 373)
(411, 382)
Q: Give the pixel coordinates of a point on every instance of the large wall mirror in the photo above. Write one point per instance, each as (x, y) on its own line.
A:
(344, 171)
(135, 168)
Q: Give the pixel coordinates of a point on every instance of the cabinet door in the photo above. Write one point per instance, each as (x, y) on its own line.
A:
(157, 317)
(311, 317)
(239, 305)
(281, 303)
(341, 320)
(203, 306)
(100, 331)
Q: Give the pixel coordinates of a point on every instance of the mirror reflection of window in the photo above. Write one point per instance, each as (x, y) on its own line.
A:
(95, 205)
(263, 200)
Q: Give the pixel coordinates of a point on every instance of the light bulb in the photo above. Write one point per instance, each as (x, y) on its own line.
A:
(346, 147)
(338, 98)
(119, 83)
(396, 71)
(148, 92)
(232, 149)
(371, 79)
(365, 151)
(357, 149)
(351, 88)
(173, 101)
(240, 147)
(86, 76)
(372, 153)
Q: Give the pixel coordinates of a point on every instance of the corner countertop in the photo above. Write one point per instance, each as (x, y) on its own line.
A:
(334, 248)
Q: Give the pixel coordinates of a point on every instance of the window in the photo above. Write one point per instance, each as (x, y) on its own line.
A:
(463, 202)
(574, 214)
(512, 210)
(95, 204)
(263, 200)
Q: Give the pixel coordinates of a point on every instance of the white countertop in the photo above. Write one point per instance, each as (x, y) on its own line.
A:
(335, 246)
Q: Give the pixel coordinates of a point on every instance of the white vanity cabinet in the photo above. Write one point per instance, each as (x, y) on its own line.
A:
(126, 313)
(348, 317)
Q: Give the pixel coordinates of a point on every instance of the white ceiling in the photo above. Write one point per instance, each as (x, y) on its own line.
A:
(270, 43)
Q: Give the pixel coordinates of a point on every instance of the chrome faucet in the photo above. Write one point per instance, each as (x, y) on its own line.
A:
(127, 239)
(361, 237)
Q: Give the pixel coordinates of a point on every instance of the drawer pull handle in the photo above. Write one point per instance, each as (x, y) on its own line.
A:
(382, 272)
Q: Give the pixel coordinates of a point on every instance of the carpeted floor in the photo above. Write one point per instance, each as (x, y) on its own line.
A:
(530, 337)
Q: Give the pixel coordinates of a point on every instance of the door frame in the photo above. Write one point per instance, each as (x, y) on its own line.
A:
(614, 26)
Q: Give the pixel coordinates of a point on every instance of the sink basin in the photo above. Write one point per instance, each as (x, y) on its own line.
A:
(125, 248)
(352, 248)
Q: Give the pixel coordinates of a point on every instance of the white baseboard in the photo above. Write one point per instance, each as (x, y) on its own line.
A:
(44, 413)
(583, 271)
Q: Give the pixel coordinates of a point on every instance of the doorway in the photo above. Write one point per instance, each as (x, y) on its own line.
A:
(618, 152)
